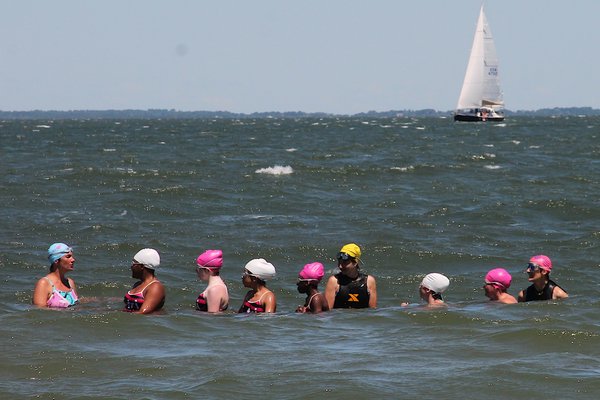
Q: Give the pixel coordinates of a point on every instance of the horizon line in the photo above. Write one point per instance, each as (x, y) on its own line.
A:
(176, 111)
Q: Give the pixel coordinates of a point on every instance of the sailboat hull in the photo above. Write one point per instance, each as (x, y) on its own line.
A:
(477, 118)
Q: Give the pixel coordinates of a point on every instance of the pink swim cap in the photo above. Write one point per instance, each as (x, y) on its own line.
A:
(212, 259)
(543, 261)
(312, 271)
(499, 276)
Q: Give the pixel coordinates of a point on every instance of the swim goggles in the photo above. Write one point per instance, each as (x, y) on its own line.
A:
(532, 267)
(344, 256)
(248, 273)
(495, 284)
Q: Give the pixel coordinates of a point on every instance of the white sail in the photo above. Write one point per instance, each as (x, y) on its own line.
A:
(481, 86)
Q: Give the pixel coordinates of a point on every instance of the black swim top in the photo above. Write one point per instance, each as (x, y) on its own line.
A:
(352, 293)
(256, 306)
(134, 301)
(531, 293)
(253, 307)
(201, 303)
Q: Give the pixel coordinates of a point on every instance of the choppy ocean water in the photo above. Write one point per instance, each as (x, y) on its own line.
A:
(418, 195)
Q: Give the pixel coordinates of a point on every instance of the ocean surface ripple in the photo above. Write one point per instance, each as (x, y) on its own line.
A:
(418, 195)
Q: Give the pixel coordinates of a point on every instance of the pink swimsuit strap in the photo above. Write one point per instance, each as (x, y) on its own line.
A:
(311, 297)
(141, 292)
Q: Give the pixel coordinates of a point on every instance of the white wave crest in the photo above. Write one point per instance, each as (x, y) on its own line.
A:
(403, 169)
(276, 170)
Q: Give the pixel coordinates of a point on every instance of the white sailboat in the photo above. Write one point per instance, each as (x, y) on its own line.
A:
(480, 97)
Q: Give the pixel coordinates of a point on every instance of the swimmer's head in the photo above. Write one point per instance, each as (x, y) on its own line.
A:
(211, 259)
(313, 271)
(541, 261)
(149, 258)
(435, 282)
(499, 277)
(56, 251)
(349, 250)
(260, 268)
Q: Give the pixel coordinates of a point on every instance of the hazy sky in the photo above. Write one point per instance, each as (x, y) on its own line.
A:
(338, 56)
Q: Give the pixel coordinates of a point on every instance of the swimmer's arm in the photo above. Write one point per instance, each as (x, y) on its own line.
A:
(372, 286)
(558, 293)
(270, 303)
(330, 289)
(521, 297)
(154, 295)
(41, 293)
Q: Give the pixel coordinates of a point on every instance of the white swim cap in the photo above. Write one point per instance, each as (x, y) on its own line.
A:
(149, 258)
(260, 268)
(436, 282)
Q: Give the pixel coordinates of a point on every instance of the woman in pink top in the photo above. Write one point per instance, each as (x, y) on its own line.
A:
(55, 289)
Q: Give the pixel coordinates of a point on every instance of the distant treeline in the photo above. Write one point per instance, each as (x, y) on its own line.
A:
(174, 114)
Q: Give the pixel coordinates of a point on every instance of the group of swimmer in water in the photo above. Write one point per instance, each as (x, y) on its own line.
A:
(349, 288)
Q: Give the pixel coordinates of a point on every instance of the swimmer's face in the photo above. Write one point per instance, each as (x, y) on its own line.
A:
(491, 292)
(303, 285)
(247, 279)
(203, 273)
(534, 272)
(347, 265)
(67, 261)
(424, 292)
(137, 270)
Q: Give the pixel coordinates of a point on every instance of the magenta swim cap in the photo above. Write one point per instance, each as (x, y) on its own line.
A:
(312, 271)
(543, 261)
(499, 276)
(212, 259)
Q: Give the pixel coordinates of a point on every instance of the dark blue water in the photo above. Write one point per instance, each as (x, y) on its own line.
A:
(418, 195)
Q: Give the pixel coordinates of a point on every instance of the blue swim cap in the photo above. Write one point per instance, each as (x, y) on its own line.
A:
(56, 251)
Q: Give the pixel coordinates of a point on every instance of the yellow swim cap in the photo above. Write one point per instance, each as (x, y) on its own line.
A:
(352, 250)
